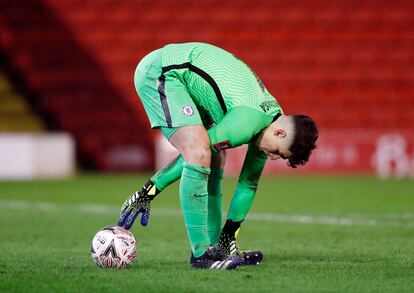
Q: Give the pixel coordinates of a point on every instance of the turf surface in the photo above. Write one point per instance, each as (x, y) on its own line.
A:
(318, 234)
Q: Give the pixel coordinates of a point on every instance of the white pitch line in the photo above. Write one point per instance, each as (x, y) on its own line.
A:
(390, 220)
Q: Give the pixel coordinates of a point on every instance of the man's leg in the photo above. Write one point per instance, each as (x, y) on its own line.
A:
(167, 175)
(170, 173)
(215, 196)
(193, 143)
(240, 204)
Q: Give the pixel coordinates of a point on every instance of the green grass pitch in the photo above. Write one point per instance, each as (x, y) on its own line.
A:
(318, 234)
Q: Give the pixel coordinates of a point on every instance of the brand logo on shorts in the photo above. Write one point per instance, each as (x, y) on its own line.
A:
(187, 110)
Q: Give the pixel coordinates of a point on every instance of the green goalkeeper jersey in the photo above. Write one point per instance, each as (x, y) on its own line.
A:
(223, 88)
(217, 80)
(177, 78)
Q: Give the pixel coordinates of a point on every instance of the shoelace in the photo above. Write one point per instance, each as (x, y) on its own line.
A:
(234, 248)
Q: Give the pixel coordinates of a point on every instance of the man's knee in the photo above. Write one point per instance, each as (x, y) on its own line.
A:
(197, 154)
(194, 144)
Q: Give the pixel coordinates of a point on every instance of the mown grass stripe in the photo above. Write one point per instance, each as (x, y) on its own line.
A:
(391, 220)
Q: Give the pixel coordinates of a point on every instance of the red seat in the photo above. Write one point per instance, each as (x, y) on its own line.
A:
(343, 62)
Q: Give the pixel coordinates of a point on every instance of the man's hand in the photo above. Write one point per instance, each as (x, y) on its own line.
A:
(137, 203)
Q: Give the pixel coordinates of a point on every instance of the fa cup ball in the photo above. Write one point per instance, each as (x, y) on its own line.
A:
(113, 247)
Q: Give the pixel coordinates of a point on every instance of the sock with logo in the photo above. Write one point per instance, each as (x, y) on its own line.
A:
(194, 206)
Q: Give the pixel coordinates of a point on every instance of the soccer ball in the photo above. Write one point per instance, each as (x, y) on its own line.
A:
(113, 247)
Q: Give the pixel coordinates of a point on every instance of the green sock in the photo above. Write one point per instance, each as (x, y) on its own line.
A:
(169, 173)
(194, 201)
(214, 205)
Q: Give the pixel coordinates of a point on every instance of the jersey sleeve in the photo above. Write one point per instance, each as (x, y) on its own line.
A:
(253, 165)
(247, 185)
(239, 126)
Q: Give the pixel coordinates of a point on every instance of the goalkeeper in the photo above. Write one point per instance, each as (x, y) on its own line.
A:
(205, 101)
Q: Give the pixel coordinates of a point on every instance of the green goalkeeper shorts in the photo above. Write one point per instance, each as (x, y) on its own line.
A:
(165, 98)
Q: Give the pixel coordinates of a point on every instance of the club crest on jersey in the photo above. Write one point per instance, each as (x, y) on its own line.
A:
(187, 110)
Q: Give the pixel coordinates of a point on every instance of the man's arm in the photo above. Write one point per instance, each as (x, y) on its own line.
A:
(248, 180)
(238, 127)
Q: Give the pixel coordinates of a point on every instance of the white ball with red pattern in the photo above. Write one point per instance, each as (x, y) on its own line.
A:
(113, 247)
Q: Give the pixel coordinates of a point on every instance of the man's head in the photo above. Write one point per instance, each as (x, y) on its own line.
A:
(289, 137)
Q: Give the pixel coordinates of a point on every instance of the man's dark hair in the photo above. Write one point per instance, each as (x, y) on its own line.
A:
(306, 135)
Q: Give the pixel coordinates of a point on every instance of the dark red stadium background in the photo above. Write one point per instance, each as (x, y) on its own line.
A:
(348, 64)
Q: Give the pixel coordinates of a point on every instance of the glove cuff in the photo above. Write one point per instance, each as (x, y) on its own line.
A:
(149, 190)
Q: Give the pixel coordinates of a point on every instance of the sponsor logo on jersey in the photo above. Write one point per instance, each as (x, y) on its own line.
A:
(187, 110)
(223, 145)
(266, 105)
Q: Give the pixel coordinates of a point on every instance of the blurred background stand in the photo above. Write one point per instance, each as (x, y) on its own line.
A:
(34, 156)
(346, 63)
